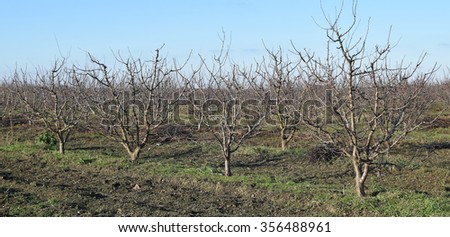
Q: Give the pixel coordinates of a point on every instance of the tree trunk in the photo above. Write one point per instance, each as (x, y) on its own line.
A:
(283, 138)
(62, 148)
(227, 164)
(11, 130)
(361, 172)
(360, 189)
(283, 143)
(61, 143)
(134, 155)
(133, 152)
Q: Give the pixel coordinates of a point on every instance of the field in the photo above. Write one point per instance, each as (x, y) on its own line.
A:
(183, 176)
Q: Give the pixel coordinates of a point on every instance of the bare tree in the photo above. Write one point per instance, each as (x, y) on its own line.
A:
(445, 85)
(5, 99)
(192, 83)
(281, 78)
(130, 101)
(229, 108)
(8, 109)
(374, 105)
(50, 97)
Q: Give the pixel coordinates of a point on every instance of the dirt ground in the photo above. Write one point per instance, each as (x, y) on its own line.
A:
(37, 183)
(84, 191)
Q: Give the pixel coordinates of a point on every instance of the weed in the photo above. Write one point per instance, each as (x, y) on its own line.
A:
(86, 160)
(47, 138)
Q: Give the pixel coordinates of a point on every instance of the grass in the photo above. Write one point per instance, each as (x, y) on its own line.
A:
(420, 187)
(25, 148)
(36, 208)
(427, 136)
(395, 203)
(387, 203)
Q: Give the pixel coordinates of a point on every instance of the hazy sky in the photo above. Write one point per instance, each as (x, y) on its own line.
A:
(34, 33)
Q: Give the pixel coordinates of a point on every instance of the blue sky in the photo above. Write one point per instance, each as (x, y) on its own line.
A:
(34, 33)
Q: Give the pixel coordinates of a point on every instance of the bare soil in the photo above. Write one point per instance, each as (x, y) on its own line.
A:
(38, 183)
(86, 191)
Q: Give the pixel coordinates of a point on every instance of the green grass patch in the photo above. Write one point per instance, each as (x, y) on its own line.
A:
(35, 208)
(427, 136)
(21, 148)
(390, 203)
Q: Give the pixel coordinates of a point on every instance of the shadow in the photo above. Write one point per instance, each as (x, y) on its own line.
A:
(6, 176)
(89, 193)
(424, 193)
(9, 191)
(437, 146)
(262, 161)
(378, 192)
(340, 175)
(90, 148)
(176, 154)
(433, 146)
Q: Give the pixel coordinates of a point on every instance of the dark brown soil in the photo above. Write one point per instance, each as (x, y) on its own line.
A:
(267, 182)
(87, 191)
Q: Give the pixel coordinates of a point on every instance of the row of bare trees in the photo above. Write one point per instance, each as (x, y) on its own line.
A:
(352, 98)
